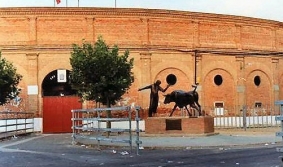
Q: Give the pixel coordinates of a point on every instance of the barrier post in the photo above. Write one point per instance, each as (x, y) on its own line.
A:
(280, 118)
(138, 142)
(81, 130)
(245, 117)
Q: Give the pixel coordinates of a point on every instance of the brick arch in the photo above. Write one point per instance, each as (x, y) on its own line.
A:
(183, 83)
(263, 72)
(260, 67)
(215, 65)
(261, 93)
(225, 92)
(50, 67)
(43, 72)
(186, 69)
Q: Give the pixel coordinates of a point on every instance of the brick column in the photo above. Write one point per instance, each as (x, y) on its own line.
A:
(238, 37)
(199, 76)
(241, 82)
(276, 79)
(145, 59)
(145, 32)
(90, 29)
(32, 31)
(32, 82)
(274, 36)
(196, 34)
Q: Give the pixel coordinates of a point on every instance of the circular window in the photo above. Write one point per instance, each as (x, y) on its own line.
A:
(257, 80)
(218, 80)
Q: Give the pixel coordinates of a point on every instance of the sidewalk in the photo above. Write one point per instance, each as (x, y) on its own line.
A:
(221, 138)
(226, 137)
(57, 150)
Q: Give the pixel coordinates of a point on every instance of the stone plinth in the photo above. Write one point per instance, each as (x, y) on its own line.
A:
(180, 125)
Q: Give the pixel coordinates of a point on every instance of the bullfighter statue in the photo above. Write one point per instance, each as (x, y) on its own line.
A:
(154, 97)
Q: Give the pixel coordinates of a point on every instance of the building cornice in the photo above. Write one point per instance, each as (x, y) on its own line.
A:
(132, 12)
(150, 49)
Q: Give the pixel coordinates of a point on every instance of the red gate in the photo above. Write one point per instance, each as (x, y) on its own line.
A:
(57, 113)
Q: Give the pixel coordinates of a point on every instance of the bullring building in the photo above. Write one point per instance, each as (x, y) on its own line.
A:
(236, 60)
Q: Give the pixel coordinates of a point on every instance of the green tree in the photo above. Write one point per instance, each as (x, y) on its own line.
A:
(99, 73)
(9, 79)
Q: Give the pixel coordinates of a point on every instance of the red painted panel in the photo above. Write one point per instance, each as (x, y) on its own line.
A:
(57, 113)
(69, 104)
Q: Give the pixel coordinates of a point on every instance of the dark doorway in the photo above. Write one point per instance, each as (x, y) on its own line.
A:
(58, 100)
(57, 83)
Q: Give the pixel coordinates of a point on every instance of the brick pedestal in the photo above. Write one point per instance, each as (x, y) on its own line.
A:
(179, 125)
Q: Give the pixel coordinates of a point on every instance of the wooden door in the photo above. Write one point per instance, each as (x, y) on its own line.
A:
(57, 113)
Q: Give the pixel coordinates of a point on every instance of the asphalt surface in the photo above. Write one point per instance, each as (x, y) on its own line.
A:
(254, 147)
(221, 138)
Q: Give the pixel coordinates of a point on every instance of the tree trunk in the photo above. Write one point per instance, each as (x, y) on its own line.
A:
(108, 114)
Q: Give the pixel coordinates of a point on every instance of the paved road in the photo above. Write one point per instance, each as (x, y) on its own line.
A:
(229, 137)
(57, 151)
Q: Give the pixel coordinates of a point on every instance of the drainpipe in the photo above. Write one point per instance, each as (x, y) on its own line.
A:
(195, 67)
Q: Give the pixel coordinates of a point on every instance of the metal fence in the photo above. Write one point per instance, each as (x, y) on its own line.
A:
(15, 123)
(244, 117)
(91, 125)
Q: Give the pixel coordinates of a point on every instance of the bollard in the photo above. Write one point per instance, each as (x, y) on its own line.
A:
(245, 117)
(280, 118)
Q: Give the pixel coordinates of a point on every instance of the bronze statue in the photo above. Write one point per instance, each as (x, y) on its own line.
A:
(184, 98)
(155, 87)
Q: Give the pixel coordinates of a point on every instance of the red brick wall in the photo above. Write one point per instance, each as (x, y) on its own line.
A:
(254, 37)
(14, 30)
(60, 30)
(209, 34)
(170, 32)
(187, 125)
(122, 31)
(161, 43)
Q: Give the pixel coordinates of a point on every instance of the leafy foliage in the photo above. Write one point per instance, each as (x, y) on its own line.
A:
(9, 79)
(99, 73)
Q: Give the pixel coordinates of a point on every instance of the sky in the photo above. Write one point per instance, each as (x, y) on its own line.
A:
(265, 9)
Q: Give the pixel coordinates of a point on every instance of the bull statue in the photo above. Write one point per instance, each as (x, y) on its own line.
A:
(182, 99)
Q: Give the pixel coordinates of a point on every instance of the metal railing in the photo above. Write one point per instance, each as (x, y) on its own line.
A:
(90, 124)
(280, 134)
(15, 123)
(245, 117)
